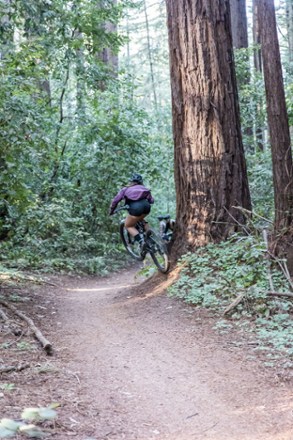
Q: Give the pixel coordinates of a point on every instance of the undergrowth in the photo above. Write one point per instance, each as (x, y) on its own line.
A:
(215, 275)
(77, 260)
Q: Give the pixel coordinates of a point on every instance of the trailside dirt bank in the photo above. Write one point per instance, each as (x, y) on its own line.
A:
(131, 363)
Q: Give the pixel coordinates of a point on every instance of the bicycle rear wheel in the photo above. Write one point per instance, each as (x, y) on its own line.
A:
(158, 251)
(130, 244)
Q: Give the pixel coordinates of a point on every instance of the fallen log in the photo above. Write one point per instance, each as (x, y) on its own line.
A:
(47, 346)
(8, 369)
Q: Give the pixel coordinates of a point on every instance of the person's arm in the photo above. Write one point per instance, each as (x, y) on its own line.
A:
(116, 200)
(150, 198)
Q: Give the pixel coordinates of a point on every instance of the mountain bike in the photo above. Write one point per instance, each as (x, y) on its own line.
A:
(152, 244)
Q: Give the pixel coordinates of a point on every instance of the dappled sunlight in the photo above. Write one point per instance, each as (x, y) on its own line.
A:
(163, 284)
(152, 287)
(284, 405)
(102, 289)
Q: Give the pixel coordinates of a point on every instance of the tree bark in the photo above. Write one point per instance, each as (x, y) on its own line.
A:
(289, 20)
(256, 37)
(210, 170)
(107, 55)
(240, 41)
(239, 23)
(278, 125)
(257, 59)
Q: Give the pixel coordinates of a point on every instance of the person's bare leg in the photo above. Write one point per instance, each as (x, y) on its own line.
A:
(130, 223)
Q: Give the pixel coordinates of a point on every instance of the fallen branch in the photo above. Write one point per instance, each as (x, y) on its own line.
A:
(47, 346)
(15, 330)
(252, 213)
(286, 294)
(3, 316)
(234, 303)
(240, 297)
(10, 368)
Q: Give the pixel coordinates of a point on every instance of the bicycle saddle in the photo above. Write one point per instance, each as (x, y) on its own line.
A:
(164, 217)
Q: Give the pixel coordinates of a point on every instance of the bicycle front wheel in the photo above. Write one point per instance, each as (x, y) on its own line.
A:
(158, 251)
(130, 244)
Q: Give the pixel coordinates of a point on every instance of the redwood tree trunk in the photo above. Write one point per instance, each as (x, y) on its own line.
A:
(256, 36)
(239, 23)
(257, 59)
(107, 55)
(277, 117)
(289, 14)
(210, 170)
(240, 41)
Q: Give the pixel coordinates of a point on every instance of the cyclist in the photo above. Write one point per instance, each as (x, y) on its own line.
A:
(139, 199)
(166, 226)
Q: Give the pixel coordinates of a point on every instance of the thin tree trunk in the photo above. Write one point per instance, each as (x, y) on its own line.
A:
(151, 63)
(107, 55)
(256, 37)
(240, 41)
(257, 58)
(278, 125)
(289, 20)
(239, 23)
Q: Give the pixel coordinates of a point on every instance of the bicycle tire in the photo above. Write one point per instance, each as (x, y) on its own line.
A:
(130, 245)
(158, 251)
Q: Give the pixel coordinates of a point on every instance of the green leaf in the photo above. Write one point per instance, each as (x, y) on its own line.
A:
(10, 424)
(47, 413)
(32, 431)
(6, 433)
(30, 414)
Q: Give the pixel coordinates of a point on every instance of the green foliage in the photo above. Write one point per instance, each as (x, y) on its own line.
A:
(216, 274)
(289, 97)
(71, 133)
(251, 99)
(260, 178)
(7, 386)
(212, 275)
(11, 428)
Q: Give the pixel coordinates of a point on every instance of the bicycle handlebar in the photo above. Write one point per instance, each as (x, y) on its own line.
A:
(121, 208)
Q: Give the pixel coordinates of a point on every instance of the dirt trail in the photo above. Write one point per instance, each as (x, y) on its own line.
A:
(144, 366)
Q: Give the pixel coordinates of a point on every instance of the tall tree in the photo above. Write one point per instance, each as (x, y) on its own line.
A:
(210, 170)
(256, 36)
(150, 56)
(257, 61)
(278, 124)
(239, 23)
(289, 16)
(108, 56)
(240, 41)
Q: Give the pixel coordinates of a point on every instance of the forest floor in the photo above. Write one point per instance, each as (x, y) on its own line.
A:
(129, 362)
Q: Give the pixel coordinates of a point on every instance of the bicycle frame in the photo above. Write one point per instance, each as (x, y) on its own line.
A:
(153, 244)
